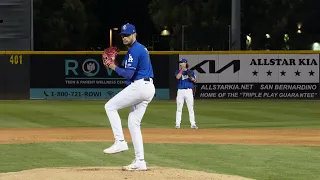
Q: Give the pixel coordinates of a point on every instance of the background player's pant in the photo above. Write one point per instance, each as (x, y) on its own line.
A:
(137, 95)
(185, 95)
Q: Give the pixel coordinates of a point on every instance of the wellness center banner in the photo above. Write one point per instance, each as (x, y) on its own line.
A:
(85, 77)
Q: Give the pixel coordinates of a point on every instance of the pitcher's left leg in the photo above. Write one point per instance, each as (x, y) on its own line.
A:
(190, 105)
(125, 98)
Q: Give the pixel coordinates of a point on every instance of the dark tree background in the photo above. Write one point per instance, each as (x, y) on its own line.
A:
(85, 24)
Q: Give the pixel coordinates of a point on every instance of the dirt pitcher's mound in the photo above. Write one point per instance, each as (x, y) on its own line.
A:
(113, 173)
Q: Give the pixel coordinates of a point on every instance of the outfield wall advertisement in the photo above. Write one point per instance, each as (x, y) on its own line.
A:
(81, 75)
(85, 77)
(256, 75)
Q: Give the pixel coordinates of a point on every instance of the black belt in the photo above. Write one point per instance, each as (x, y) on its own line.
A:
(145, 79)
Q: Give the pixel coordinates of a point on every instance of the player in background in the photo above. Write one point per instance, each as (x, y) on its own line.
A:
(137, 95)
(186, 80)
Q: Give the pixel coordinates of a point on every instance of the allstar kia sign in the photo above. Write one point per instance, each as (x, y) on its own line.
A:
(256, 75)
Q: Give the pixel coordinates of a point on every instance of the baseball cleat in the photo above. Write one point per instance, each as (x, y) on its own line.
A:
(117, 147)
(136, 165)
(194, 127)
(177, 127)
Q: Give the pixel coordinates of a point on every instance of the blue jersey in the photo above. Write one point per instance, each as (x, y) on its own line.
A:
(138, 59)
(184, 82)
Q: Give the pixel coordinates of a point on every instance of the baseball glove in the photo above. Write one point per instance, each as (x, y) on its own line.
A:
(109, 55)
(189, 72)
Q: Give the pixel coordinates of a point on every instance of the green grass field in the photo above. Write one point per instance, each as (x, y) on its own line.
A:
(258, 162)
(161, 114)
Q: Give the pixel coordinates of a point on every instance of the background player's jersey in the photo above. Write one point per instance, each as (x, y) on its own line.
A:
(184, 82)
(138, 59)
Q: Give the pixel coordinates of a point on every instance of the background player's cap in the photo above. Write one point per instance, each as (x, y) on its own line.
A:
(128, 29)
(183, 60)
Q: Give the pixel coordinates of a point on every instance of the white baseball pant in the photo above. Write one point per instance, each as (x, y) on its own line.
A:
(137, 95)
(185, 95)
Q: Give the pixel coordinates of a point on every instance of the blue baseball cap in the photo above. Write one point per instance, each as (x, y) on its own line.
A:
(183, 60)
(128, 29)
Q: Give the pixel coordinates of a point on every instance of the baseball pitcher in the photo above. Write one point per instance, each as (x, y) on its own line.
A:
(138, 94)
(186, 89)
